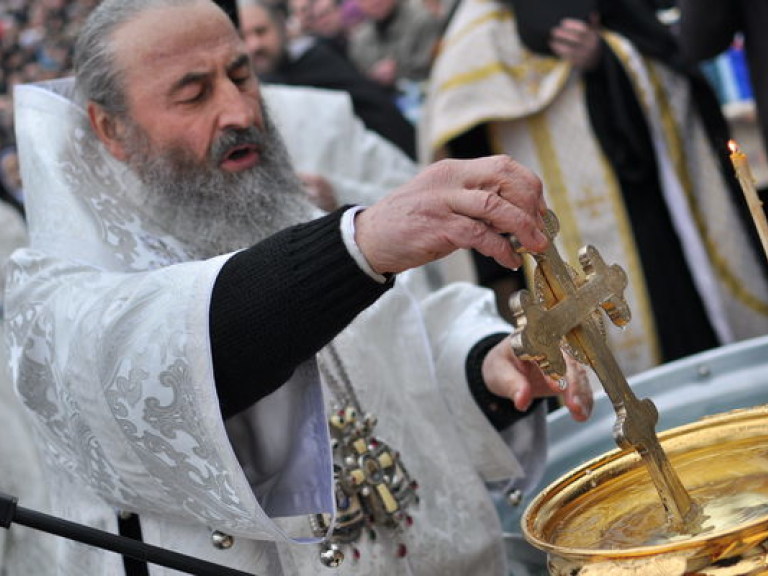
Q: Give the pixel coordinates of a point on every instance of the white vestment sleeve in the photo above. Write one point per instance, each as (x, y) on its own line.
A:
(457, 317)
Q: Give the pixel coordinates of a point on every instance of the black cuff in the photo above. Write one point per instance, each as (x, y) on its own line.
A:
(278, 302)
(500, 411)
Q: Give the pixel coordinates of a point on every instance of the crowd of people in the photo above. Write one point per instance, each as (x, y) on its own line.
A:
(226, 321)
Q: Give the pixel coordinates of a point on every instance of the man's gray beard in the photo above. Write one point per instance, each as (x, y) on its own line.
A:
(212, 211)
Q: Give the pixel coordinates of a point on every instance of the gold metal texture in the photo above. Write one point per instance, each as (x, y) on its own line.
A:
(603, 518)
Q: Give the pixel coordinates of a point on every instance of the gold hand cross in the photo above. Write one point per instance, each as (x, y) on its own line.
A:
(565, 307)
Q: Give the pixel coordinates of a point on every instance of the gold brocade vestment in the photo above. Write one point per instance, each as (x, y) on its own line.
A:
(535, 109)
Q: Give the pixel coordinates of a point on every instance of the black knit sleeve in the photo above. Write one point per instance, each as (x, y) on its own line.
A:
(500, 411)
(277, 303)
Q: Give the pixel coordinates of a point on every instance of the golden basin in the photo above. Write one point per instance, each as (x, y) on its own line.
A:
(605, 517)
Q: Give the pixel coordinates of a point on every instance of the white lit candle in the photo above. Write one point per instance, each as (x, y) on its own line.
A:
(747, 181)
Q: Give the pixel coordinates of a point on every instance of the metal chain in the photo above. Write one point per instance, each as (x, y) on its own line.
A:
(336, 376)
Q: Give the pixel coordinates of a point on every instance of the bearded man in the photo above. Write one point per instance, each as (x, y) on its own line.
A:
(167, 323)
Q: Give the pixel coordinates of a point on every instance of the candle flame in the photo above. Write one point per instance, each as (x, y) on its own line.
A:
(733, 146)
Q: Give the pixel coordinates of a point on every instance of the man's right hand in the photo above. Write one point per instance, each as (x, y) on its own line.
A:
(455, 204)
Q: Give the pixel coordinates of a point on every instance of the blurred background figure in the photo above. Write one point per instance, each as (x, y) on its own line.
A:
(309, 61)
(396, 41)
(630, 142)
(328, 20)
(395, 45)
(708, 27)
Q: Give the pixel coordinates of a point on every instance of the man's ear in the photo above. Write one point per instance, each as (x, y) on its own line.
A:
(108, 129)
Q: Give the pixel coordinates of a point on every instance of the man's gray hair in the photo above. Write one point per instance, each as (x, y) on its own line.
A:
(97, 76)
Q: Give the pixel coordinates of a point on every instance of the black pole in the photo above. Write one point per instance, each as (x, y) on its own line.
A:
(10, 512)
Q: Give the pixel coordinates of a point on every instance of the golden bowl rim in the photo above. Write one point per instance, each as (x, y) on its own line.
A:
(694, 542)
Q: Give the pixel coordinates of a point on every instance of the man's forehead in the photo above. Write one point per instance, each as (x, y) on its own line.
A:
(253, 16)
(164, 38)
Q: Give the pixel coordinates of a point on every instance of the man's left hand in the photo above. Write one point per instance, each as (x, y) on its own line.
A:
(522, 381)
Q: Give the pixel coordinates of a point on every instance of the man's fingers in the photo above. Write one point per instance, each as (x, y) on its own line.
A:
(576, 42)
(571, 28)
(455, 204)
(518, 388)
(493, 245)
(578, 396)
(500, 216)
(522, 381)
(505, 177)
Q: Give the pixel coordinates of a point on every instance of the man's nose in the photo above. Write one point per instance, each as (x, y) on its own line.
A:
(240, 109)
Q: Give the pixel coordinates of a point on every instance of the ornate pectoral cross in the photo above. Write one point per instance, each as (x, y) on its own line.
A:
(564, 312)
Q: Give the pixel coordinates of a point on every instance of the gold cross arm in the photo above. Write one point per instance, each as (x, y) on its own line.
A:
(544, 328)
